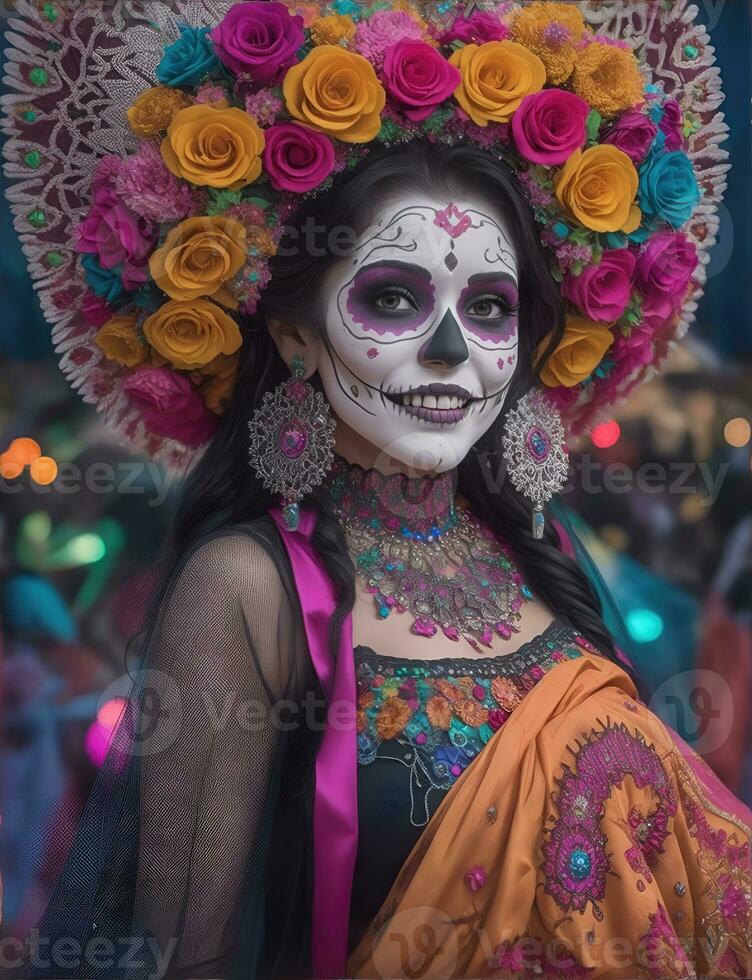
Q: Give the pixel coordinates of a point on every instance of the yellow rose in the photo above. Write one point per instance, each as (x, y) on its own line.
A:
(599, 185)
(198, 257)
(337, 92)
(496, 77)
(579, 353)
(190, 335)
(120, 341)
(219, 382)
(607, 78)
(154, 110)
(212, 146)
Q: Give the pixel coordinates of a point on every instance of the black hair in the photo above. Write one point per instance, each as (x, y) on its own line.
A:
(223, 490)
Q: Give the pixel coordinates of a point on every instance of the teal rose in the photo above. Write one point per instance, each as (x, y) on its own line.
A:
(668, 187)
(189, 59)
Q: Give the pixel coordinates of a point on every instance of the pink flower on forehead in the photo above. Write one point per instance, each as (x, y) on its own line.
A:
(418, 78)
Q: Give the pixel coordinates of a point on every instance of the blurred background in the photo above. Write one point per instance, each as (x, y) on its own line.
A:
(673, 541)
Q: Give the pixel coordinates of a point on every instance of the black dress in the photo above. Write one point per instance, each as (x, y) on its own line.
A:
(194, 854)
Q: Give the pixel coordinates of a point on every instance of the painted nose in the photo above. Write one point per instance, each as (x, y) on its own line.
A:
(447, 346)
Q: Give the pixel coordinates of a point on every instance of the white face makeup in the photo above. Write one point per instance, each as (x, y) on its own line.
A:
(422, 329)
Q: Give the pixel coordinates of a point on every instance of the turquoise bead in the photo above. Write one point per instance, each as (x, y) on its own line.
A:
(579, 864)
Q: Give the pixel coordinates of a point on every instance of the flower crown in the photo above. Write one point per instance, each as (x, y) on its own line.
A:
(173, 229)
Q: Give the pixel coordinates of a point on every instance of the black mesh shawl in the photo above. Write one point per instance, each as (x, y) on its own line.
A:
(194, 848)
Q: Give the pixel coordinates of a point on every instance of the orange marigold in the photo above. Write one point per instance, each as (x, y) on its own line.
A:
(552, 31)
(439, 712)
(472, 713)
(154, 110)
(506, 694)
(392, 718)
(335, 29)
(608, 78)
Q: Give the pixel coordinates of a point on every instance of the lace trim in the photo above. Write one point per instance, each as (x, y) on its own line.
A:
(528, 655)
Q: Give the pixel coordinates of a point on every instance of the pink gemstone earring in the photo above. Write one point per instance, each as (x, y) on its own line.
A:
(292, 441)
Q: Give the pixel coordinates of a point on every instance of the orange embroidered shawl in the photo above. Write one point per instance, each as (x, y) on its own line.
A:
(584, 841)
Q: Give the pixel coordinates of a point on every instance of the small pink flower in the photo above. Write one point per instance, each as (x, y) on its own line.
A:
(480, 27)
(96, 310)
(734, 902)
(170, 406)
(496, 718)
(549, 126)
(511, 956)
(418, 78)
(147, 187)
(633, 134)
(475, 878)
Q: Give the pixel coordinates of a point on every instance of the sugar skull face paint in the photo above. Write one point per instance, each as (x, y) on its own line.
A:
(422, 329)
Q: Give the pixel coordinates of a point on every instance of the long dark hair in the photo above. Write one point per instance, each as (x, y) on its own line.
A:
(223, 491)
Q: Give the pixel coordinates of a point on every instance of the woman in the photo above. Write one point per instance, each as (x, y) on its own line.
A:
(381, 728)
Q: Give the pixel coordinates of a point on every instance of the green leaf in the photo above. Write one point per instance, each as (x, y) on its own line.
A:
(592, 125)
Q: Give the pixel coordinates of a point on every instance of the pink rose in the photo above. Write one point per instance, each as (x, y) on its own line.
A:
(602, 291)
(117, 236)
(664, 269)
(418, 78)
(671, 125)
(633, 134)
(475, 878)
(479, 27)
(170, 406)
(297, 159)
(260, 37)
(550, 125)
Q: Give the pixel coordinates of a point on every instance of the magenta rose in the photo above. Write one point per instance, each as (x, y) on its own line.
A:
(633, 134)
(478, 28)
(260, 37)
(170, 406)
(297, 159)
(602, 291)
(671, 125)
(549, 126)
(418, 78)
(664, 269)
(119, 238)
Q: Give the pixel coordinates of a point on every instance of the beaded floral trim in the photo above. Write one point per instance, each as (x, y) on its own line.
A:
(435, 716)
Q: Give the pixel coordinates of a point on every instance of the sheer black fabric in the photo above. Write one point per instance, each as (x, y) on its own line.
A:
(193, 857)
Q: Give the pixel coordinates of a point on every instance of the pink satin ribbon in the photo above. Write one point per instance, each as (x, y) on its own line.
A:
(335, 803)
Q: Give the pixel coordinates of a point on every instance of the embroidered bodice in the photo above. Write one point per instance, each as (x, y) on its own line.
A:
(420, 725)
(435, 716)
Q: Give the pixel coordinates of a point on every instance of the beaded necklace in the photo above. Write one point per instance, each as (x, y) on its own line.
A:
(419, 551)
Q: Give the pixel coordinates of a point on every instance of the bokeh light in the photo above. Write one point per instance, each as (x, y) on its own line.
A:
(10, 468)
(737, 432)
(43, 470)
(24, 451)
(606, 434)
(110, 712)
(644, 625)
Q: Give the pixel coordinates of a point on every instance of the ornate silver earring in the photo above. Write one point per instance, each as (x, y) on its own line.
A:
(292, 441)
(535, 453)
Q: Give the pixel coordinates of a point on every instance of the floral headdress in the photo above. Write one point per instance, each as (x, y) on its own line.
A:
(157, 154)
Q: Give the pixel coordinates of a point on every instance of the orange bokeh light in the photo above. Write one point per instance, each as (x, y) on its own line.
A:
(43, 470)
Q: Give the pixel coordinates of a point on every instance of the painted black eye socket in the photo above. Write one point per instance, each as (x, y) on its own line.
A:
(491, 307)
(395, 300)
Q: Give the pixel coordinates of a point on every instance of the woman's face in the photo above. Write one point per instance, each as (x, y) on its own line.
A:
(421, 325)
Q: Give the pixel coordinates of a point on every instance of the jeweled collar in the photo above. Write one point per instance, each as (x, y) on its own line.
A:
(420, 507)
